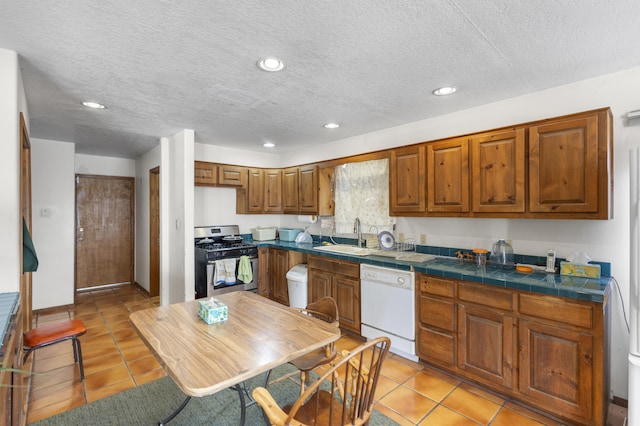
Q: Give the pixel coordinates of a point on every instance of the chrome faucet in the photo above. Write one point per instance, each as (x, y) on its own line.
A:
(357, 229)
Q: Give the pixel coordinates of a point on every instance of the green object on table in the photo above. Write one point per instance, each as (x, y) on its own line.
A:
(29, 256)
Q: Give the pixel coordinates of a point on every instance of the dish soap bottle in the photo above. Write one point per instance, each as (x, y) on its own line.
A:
(502, 254)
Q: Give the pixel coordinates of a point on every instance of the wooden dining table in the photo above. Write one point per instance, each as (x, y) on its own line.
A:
(202, 358)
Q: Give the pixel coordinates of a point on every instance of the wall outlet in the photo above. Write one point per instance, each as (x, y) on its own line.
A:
(423, 239)
(401, 237)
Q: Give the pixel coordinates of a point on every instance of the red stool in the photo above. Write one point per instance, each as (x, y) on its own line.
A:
(47, 335)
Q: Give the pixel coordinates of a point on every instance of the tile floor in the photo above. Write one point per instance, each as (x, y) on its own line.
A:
(116, 359)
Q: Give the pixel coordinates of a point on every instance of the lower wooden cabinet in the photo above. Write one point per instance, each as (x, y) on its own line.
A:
(264, 269)
(13, 383)
(277, 263)
(549, 352)
(556, 368)
(339, 279)
(485, 344)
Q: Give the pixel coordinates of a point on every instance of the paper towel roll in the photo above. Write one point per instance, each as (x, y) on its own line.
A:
(308, 218)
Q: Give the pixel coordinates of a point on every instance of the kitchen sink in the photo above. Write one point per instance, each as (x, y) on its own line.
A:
(363, 251)
(347, 249)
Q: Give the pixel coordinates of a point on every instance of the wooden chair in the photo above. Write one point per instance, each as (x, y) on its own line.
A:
(48, 335)
(344, 395)
(325, 309)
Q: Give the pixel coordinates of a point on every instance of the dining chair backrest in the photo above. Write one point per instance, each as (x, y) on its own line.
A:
(325, 309)
(343, 395)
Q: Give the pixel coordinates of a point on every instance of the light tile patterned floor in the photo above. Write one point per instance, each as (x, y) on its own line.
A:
(116, 359)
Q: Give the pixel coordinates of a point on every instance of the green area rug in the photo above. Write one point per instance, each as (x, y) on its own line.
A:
(154, 401)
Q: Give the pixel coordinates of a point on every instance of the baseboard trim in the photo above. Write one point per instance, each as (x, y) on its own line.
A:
(142, 289)
(620, 401)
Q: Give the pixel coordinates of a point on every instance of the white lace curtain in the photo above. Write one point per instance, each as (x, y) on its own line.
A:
(362, 191)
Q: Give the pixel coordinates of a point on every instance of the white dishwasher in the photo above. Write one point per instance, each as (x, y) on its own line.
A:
(388, 307)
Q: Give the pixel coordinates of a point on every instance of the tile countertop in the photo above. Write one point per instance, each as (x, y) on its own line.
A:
(587, 289)
(8, 306)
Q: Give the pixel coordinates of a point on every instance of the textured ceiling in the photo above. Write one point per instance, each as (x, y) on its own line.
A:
(165, 65)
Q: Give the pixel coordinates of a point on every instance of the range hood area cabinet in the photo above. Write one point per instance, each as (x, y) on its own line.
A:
(549, 352)
(212, 174)
(560, 168)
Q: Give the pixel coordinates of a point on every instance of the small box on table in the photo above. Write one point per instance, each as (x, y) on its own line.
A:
(212, 310)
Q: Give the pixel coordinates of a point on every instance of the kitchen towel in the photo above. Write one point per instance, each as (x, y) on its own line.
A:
(244, 270)
(230, 271)
(219, 273)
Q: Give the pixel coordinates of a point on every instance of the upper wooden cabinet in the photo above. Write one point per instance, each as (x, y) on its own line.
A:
(300, 189)
(273, 191)
(448, 176)
(290, 190)
(212, 174)
(205, 174)
(560, 168)
(309, 189)
(231, 175)
(569, 166)
(498, 170)
(326, 192)
(407, 172)
(255, 191)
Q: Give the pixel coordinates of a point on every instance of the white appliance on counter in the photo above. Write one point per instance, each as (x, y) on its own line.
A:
(388, 307)
(634, 290)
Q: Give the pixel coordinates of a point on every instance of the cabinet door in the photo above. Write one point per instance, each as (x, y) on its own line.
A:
(407, 180)
(309, 189)
(556, 369)
(485, 345)
(347, 296)
(273, 191)
(563, 166)
(204, 174)
(436, 329)
(255, 191)
(264, 269)
(231, 175)
(498, 170)
(448, 176)
(320, 285)
(326, 192)
(290, 190)
(279, 260)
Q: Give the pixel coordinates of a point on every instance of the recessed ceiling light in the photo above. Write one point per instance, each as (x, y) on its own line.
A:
(94, 105)
(269, 144)
(444, 91)
(270, 64)
(331, 126)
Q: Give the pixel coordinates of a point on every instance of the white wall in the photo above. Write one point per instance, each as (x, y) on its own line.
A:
(144, 163)
(53, 193)
(217, 154)
(176, 218)
(12, 102)
(105, 166)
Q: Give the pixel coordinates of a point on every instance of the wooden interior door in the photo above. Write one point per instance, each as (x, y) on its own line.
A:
(154, 232)
(104, 230)
(26, 293)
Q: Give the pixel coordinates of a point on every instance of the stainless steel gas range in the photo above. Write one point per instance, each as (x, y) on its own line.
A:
(223, 261)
